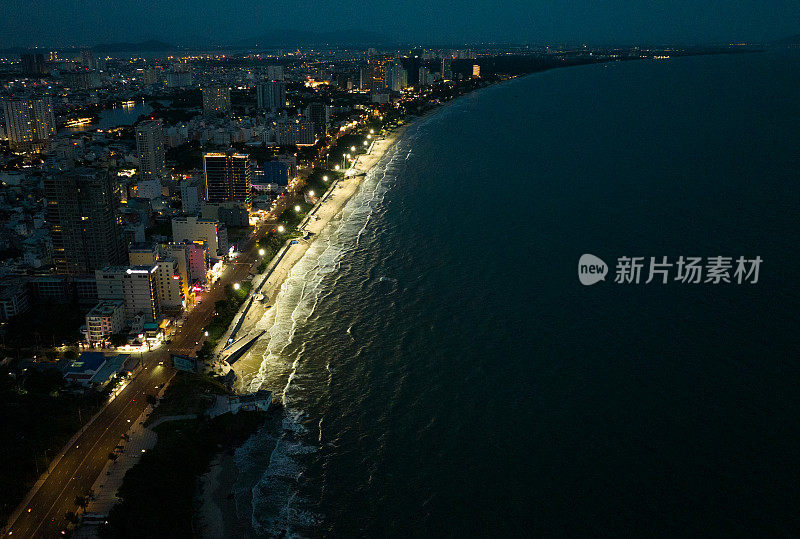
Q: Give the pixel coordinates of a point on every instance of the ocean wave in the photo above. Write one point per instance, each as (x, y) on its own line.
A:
(278, 508)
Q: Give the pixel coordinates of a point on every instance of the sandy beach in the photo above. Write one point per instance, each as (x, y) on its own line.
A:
(217, 509)
(327, 208)
(218, 515)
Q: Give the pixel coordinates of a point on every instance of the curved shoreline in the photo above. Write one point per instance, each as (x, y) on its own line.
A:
(270, 282)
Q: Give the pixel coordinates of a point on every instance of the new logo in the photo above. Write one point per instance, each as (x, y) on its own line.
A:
(591, 269)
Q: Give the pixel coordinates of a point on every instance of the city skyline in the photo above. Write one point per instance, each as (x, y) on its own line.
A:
(45, 23)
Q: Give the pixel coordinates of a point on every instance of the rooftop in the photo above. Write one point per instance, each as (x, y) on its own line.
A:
(106, 306)
(111, 367)
(88, 361)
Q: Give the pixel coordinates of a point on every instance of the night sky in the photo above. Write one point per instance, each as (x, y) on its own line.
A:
(204, 22)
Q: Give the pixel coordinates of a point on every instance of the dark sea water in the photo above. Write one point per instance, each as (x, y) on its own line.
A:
(444, 371)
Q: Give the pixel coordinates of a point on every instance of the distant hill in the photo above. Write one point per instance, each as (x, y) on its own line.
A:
(144, 46)
(293, 38)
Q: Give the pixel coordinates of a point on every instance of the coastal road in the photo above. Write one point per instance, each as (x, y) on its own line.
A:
(76, 471)
(80, 465)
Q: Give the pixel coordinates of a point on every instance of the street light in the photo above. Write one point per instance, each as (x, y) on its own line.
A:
(324, 178)
(365, 143)
(352, 149)
(297, 208)
(261, 252)
(371, 131)
(336, 167)
(311, 193)
(206, 333)
(280, 229)
(236, 286)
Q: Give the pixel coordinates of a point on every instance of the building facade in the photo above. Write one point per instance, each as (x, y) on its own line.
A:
(29, 122)
(204, 231)
(83, 227)
(104, 320)
(139, 292)
(271, 95)
(227, 178)
(317, 114)
(150, 149)
(294, 132)
(192, 194)
(216, 100)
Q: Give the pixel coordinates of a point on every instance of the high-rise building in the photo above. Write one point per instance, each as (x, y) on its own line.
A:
(81, 79)
(275, 72)
(447, 70)
(150, 149)
(227, 177)
(169, 288)
(83, 227)
(179, 79)
(294, 131)
(216, 100)
(139, 292)
(424, 76)
(476, 70)
(147, 76)
(29, 122)
(271, 95)
(396, 76)
(365, 77)
(317, 113)
(33, 63)
(87, 59)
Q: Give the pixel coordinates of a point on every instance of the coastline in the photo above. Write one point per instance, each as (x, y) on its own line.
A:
(217, 505)
(217, 508)
(329, 206)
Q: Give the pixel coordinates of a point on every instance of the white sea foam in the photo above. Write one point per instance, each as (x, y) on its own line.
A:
(277, 506)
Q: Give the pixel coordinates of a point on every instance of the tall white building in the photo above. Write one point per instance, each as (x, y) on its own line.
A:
(150, 149)
(396, 76)
(139, 292)
(29, 122)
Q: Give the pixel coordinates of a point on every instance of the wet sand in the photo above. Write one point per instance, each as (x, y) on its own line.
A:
(329, 206)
